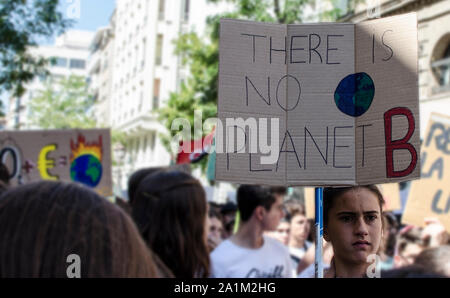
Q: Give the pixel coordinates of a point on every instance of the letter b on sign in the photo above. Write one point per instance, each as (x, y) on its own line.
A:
(401, 144)
(74, 269)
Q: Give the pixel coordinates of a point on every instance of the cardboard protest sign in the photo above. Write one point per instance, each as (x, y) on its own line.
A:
(318, 104)
(82, 156)
(430, 196)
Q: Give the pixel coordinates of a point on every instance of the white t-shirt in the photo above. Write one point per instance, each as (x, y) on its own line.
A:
(271, 260)
(310, 271)
(298, 253)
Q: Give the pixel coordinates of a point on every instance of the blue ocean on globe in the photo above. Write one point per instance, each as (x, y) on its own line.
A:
(86, 169)
(354, 94)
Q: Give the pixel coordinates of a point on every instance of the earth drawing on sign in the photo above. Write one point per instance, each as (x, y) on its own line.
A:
(354, 94)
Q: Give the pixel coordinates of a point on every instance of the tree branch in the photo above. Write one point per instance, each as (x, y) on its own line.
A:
(276, 6)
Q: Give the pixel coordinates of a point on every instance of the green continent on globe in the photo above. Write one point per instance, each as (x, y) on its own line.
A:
(354, 94)
(92, 170)
(364, 92)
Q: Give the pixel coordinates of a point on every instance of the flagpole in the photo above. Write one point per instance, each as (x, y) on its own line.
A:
(319, 231)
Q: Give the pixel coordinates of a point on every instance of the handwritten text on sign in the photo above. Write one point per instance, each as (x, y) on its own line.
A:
(430, 196)
(318, 104)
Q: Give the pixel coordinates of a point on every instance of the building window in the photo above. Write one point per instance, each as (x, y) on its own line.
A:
(156, 89)
(58, 61)
(153, 142)
(77, 63)
(441, 70)
(144, 49)
(159, 46)
(161, 10)
(141, 100)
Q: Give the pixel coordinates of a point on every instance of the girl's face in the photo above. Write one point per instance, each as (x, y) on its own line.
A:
(354, 226)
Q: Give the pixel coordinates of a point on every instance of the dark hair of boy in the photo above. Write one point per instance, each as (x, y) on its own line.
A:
(279, 190)
(251, 196)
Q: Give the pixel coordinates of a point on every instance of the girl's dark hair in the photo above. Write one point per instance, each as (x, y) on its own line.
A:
(331, 193)
(42, 223)
(170, 211)
(137, 177)
(4, 174)
(214, 213)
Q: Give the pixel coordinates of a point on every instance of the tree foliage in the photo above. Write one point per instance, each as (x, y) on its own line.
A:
(201, 55)
(22, 24)
(63, 104)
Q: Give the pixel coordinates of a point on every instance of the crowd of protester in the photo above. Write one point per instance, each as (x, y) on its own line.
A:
(167, 228)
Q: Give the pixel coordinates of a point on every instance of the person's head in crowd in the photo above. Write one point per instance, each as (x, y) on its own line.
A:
(283, 230)
(390, 230)
(279, 191)
(4, 174)
(258, 206)
(170, 210)
(3, 187)
(299, 224)
(436, 259)
(228, 212)
(228, 229)
(4, 178)
(216, 207)
(409, 245)
(215, 228)
(352, 218)
(43, 225)
(137, 177)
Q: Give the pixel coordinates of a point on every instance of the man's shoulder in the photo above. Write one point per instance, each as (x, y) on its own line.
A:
(223, 248)
(275, 244)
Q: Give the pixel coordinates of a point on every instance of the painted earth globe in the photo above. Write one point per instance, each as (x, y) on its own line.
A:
(86, 169)
(354, 94)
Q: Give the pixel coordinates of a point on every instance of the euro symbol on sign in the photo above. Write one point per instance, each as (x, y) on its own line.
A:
(45, 164)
